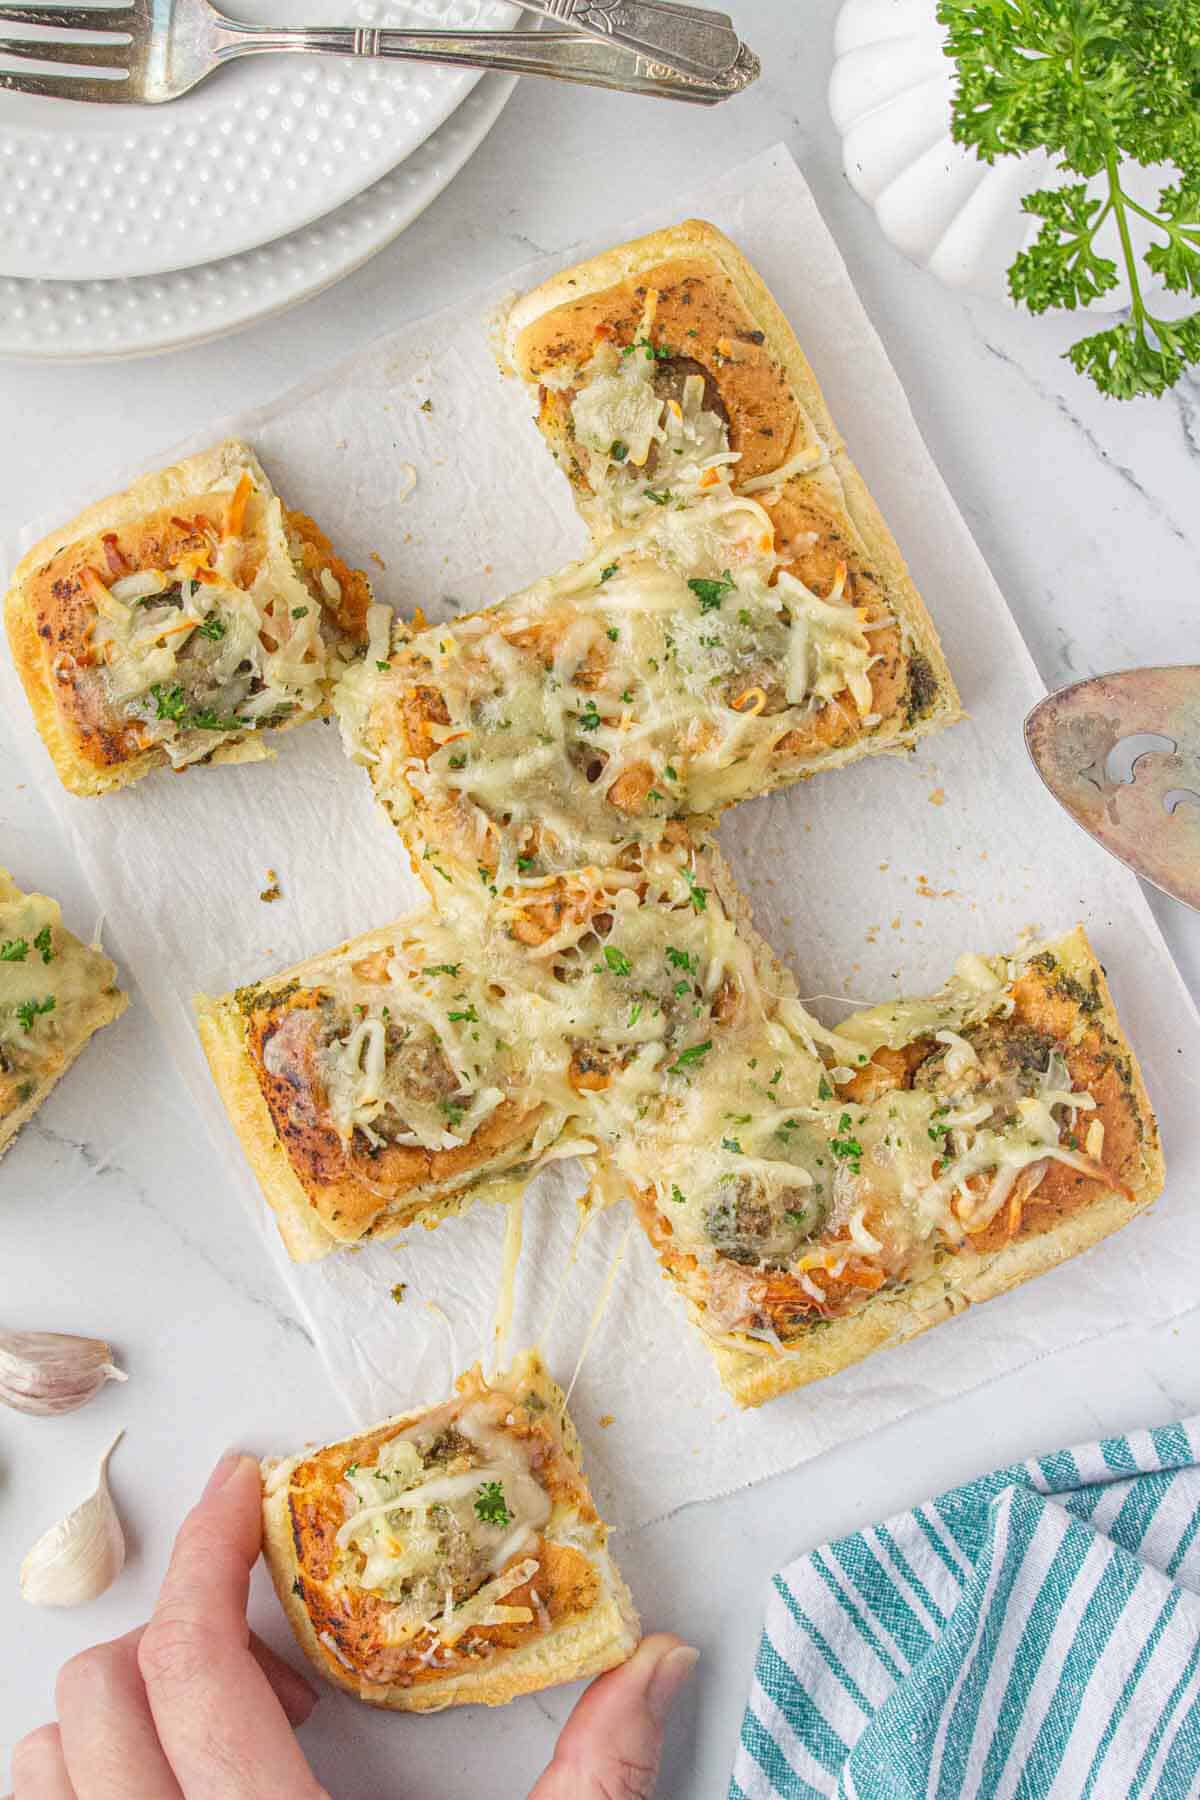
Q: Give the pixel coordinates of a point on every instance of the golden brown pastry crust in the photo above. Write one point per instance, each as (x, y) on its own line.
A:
(1067, 1214)
(106, 1003)
(318, 1194)
(150, 525)
(592, 1625)
(715, 310)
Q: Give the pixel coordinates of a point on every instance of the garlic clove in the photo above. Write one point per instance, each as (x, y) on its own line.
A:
(45, 1372)
(82, 1555)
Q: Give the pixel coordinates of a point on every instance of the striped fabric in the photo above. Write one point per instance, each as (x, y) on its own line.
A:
(1034, 1635)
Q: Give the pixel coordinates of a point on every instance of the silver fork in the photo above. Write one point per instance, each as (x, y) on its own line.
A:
(170, 45)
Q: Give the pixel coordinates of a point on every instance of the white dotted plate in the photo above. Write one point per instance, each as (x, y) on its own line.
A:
(87, 321)
(94, 192)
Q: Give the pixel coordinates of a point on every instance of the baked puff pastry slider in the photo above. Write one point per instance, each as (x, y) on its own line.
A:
(817, 1203)
(55, 992)
(180, 621)
(389, 1082)
(452, 1554)
(665, 367)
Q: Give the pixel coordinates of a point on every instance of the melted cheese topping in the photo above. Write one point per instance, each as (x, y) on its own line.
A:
(655, 680)
(49, 985)
(446, 1523)
(768, 1166)
(230, 640)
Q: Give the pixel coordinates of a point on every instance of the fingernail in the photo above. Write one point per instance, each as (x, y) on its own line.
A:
(668, 1678)
(229, 1464)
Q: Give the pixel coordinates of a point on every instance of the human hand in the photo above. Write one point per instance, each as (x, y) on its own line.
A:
(192, 1706)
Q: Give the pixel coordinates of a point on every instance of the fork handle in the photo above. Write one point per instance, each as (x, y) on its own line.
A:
(686, 39)
(562, 55)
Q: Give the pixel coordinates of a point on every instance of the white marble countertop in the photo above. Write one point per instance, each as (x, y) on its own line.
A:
(1086, 511)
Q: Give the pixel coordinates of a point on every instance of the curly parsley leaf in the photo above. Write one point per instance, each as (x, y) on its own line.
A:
(29, 1010)
(1098, 85)
(711, 592)
(491, 1506)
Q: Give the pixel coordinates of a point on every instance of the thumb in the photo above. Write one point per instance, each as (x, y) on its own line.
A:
(610, 1746)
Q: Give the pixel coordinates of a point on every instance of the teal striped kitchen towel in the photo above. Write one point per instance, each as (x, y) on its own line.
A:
(1034, 1635)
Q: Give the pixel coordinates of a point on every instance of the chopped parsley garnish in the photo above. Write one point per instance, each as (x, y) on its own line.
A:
(788, 1125)
(468, 1016)
(777, 1077)
(29, 1010)
(490, 1505)
(352, 1468)
(606, 574)
(617, 960)
(711, 592)
(42, 943)
(299, 612)
(589, 718)
(214, 627)
(524, 864)
(660, 496)
(824, 1091)
(635, 1014)
(795, 1218)
(485, 875)
(670, 773)
(937, 1126)
(731, 1144)
(678, 1196)
(663, 352)
(689, 1059)
(696, 894)
(383, 667)
(846, 1147)
(618, 451)
(681, 987)
(205, 719)
(679, 959)
(442, 968)
(459, 761)
(169, 702)
(15, 950)
(454, 1110)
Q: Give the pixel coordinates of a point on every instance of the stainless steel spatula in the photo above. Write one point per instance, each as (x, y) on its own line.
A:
(1122, 753)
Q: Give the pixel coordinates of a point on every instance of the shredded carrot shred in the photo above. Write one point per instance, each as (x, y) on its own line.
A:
(742, 703)
(710, 478)
(235, 513)
(861, 1277)
(112, 550)
(94, 584)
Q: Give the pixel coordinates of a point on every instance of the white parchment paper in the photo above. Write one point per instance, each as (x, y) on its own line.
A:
(867, 879)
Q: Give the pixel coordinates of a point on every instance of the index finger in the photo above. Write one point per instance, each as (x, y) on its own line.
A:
(224, 1732)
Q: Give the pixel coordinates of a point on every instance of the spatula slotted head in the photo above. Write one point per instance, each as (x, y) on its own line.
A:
(1121, 753)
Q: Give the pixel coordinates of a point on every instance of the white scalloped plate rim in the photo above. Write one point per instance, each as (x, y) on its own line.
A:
(942, 207)
(150, 315)
(93, 192)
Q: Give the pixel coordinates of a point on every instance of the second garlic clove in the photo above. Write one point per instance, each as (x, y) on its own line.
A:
(48, 1372)
(82, 1555)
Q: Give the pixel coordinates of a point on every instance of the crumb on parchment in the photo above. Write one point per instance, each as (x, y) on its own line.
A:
(377, 559)
(398, 1291)
(607, 1419)
(938, 797)
(272, 891)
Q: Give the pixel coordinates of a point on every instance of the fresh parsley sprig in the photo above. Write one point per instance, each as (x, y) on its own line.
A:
(1094, 83)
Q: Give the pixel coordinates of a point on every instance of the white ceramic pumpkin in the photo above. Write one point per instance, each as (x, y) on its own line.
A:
(890, 95)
